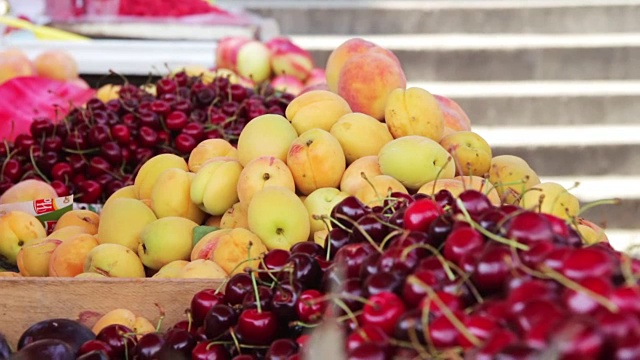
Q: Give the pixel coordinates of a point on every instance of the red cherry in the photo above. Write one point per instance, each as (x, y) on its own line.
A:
(202, 302)
(206, 350)
(257, 327)
(176, 120)
(460, 242)
(529, 227)
(413, 293)
(185, 143)
(420, 214)
(61, 171)
(366, 333)
(443, 333)
(148, 137)
(195, 130)
(12, 170)
(93, 345)
(351, 256)
(588, 262)
(90, 192)
(579, 302)
(60, 188)
(481, 326)
(309, 306)
(383, 310)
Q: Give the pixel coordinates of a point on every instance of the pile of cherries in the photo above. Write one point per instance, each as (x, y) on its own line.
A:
(414, 278)
(98, 149)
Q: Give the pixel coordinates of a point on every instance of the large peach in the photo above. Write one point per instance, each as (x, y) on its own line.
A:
(266, 135)
(414, 111)
(171, 196)
(165, 240)
(128, 192)
(151, 170)
(227, 51)
(376, 189)
(235, 217)
(455, 119)
(67, 260)
(87, 219)
(253, 61)
(352, 177)
(316, 160)
(360, 135)
(512, 177)
(14, 63)
(56, 64)
(16, 229)
(33, 258)
(415, 160)
(316, 109)
(214, 188)
(289, 59)
(122, 222)
(28, 190)
(366, 80)
(260, 173)
(470, 151)
(210, 149)
(340, 55)
(233, 249)
(114, 260)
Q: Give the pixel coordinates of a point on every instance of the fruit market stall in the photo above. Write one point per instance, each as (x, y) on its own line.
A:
(263, 206)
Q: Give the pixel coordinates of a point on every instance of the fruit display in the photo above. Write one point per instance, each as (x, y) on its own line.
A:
(280, 62)
(365, 217)
(98, 148)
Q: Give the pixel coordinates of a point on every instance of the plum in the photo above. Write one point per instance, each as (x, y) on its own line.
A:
(94, 355)
(71, 332)
(51, 349)
(5, 349)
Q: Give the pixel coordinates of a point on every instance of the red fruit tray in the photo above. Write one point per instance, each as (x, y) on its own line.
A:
(29, 300)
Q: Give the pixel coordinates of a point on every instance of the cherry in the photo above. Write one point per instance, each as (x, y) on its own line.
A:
(474, 202)
(398, 260)
(111, 152)
(237, 92)
(265, 294)
(205, 96)
(205, 350)
(60, 188)
(281, 349)
(444, 199)
(383, 310)
(185, 143)
(149, 345)
(628, 348)
(496, 342)
(351, 256)
(518, 351)
(336, 239)
(627, 299)
(284, 302)
(580, 302)
(161, 107)
(587, 262)
(149, 119)
(368, 351)
(413, 293)
(382, 282)
(147, 136)
(95, 345)
(53, 143)
(257, 327)
(310, 307)
(535, 312)
(61, 171)
(272, 263)
(46, 161)
(176, 120)
(409, 327)
(103, 180)
(372, 225)
(308, 247)
(616, 326)
(440, 229)
(351, 208)
(41, 127)
(12, 170)
(180, 340)
(98, 135)
(90, 192)
(493, 267)
(120, 338)
(537, 253)
(460, 242)
(195, 130)
(201, 303)
(219, 320)
(166, 86)
(141, 155)
(305, 270)
(23, 144)
(237, 288)
(529, 227)
(530, 289)
(578, 338)
(420, 214)
(443, 333)
(98, 166)
(480, 325)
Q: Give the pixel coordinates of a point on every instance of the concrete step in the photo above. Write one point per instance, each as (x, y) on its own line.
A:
(402, 17)
(543, 102)
(612, 150)
(500, 57)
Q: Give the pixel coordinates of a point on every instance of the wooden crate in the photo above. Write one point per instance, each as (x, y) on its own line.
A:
(25, 301)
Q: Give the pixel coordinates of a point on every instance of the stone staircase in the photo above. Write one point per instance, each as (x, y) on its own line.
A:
(556, 82)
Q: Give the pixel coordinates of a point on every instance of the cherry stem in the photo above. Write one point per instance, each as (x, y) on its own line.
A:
(35, 166)
(275, 280)
(234, 337)
(464, 278)
(615, 201)
(487, 233)
(256, 292)
(565, 281)
(346, 309)
(303, 324)
(446, 311)
(364, 233)
(364, 176)
(627, 271)
(390, 236)
(445, 264)
(162, 316)
(334, 221)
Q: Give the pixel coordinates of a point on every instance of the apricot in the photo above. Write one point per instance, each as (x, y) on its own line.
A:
(14, 63)
(56, 64)
(340, 55)
(85, 219)
(67, 260)
(316, 109)
(28, 190)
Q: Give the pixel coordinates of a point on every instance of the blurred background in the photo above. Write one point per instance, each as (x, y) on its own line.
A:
(555, 82)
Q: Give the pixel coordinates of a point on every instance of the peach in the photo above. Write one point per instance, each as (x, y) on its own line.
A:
(287, 83)
(210, 149)
(67, 260)
(227, 51)
(128, 192)
(316, 109)
(288, 58)
(202, 269)
(320, 237)
(512, 177)
(122, 222)
(151, 170)
(366, 80)
(33, 258)
(114, 260)
(317, 76)
(265, 135)
(260, 173)
(320, 203)
(253, 61)
(340, 55)
(414, 111)
(56, 64)
(213, 189)
(140, 325)
(235, 217)
(360, 135)
(171, 196)
(16, 229)
(470, 152)
(28, 190)
(455, 119)
(86, 219)
(14, 63)
(374, 192)
(551, 198)
(352, 177)
(316, 160)
(68, 232)
(233, 249)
